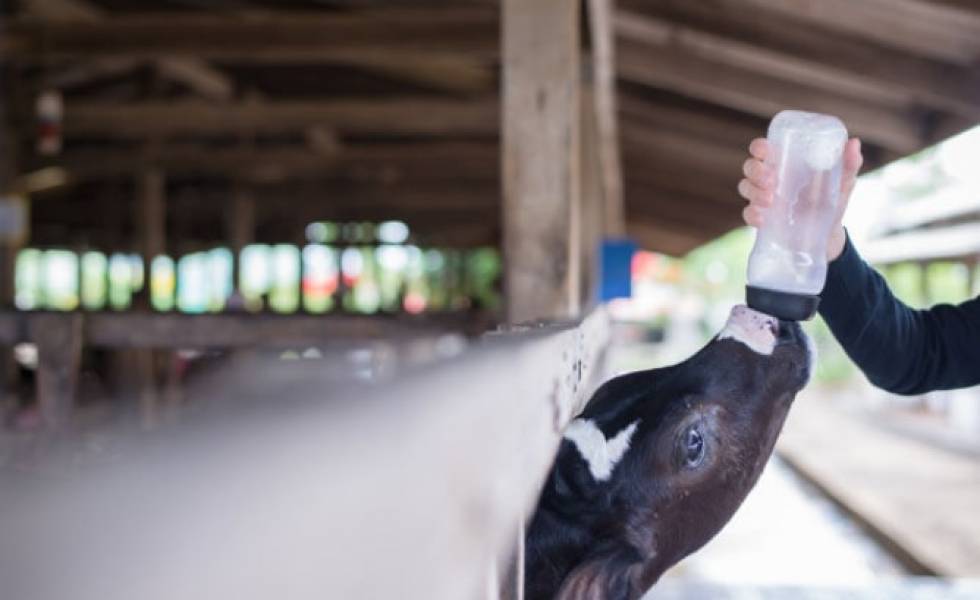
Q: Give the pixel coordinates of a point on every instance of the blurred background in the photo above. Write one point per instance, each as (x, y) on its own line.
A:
(870, 486)
(194, 190)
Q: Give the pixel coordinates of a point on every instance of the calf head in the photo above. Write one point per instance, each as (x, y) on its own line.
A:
(660, 460)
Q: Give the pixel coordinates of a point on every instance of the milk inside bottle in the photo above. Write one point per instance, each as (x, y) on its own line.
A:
(788, 264)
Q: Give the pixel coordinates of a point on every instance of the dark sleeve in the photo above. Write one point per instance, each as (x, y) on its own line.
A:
(900, 349)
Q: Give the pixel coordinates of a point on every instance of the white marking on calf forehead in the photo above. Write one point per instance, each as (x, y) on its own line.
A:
(752, 328)
(601, 454)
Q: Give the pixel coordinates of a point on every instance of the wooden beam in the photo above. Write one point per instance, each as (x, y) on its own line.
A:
(685, 211)
(80, 74)
(795, 52)
(763, 95)
(687, 120)
(391, 163)
(174, 330)
(269, 37)
(295, 202)
(654, 236)
(672, 147)
(196, 74)
(204, 79)
(394, 116)
(77, 11)
(541, 87)
(940, 32)
(603, 57)
(449, 73)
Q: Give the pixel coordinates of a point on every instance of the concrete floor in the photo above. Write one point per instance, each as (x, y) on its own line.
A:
(922, 497)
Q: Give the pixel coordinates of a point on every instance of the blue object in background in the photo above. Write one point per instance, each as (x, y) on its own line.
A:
(615, 274)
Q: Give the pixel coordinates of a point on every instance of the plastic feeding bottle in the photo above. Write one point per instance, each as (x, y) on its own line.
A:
(788, 264)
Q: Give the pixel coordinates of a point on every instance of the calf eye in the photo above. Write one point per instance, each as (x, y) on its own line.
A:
(693, 447)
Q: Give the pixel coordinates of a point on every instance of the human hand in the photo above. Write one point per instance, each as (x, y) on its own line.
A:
(758, 187)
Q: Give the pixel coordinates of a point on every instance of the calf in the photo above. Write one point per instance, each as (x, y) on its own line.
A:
(659, 461)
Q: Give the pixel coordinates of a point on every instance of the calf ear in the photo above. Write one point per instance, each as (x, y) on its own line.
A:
(607, 577)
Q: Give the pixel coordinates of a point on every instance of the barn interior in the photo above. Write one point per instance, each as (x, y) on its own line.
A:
(375, 184)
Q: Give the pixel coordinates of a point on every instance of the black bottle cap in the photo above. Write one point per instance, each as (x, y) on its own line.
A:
(785, 305)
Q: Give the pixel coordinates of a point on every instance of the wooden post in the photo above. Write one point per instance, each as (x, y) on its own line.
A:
(240, 225)
(541, 88)
(59, 344)
(593, 204)
(603, 71)
(8, 248)
(151, 220)
(152, 215)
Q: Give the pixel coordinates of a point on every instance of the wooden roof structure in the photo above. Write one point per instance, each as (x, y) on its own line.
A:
(372, 110)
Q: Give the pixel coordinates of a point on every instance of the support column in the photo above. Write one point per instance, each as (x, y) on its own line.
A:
(603, 84)
(593, 202)
(9, 134)
(540, 162)
(59, 346)
(151, 223)
(240, 232)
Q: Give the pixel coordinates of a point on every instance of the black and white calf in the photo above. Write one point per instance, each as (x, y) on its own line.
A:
(659, 461)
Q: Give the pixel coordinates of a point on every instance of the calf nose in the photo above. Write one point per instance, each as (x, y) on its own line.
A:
(753, 319)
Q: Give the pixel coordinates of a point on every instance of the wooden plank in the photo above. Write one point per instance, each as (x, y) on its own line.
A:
(449, 73)
(196, 74)
(603, 57)
(202, 78)
(719, 161)
(721, 130)
(684, 212)
(389, 162)
(174, 330)
(277, 475)
(658, 33)
(390, 115)
(794, 48)
(540, 149)
(764, 96)
(59, 345)
(941, 32)
(77, 11)
(278, 36)
(649, 234)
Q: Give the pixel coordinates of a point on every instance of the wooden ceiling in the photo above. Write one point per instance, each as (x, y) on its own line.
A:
(361, 109)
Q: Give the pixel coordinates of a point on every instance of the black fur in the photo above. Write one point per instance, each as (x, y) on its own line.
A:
(612, 540)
